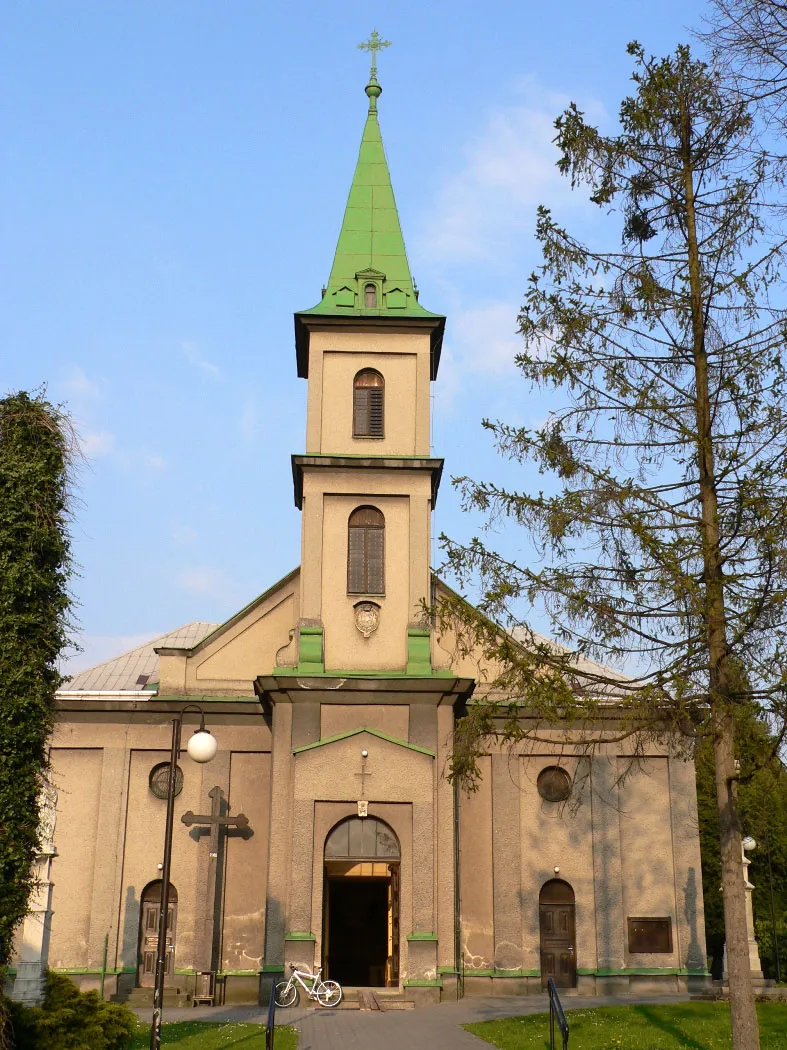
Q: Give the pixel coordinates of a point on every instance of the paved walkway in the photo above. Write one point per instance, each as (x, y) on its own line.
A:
(426, 1028)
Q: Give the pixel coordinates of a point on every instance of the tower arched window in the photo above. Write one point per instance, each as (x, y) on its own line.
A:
(366, 551)
(369, 404)
(370, 296)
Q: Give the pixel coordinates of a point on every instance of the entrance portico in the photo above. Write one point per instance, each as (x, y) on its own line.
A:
(361, 906)
(408, 802)
(403, 802)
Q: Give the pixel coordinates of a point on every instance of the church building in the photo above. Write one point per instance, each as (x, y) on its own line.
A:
(325, 831)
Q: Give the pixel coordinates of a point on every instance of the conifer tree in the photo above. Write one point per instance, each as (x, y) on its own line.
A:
(662, 527)
(749, 38)
(35, 567)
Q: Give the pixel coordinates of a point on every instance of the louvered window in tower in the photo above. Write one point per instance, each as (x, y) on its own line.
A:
(370, 296)
(366, 551)
(368, 404)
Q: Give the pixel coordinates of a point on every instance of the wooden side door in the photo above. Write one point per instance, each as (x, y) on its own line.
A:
(558, 954)
(148, 942)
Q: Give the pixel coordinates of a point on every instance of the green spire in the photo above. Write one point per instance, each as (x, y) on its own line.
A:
(370, 275)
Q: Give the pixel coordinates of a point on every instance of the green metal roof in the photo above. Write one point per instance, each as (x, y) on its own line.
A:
(370, 250)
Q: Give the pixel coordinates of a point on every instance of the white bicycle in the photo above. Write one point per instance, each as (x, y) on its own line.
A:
(326, 993)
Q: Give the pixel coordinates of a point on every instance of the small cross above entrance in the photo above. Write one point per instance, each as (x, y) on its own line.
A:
(363, 774)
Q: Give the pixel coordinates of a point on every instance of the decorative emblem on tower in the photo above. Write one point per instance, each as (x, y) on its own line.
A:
(367, 618)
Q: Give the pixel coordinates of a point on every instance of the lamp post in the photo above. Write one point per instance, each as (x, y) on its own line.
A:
(201, 748)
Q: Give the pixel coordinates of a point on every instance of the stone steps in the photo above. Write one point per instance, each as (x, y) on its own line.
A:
(142, 998)
(381, 999)
(375, 999)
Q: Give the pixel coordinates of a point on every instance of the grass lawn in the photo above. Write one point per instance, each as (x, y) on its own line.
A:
(688, 1026)
(205, 1035)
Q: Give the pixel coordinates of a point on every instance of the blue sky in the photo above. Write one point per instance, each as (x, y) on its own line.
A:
(174, 178)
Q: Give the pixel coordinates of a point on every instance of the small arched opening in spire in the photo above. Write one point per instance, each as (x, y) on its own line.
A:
(370, 296)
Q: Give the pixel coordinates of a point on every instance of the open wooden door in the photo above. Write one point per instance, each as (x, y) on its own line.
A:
(392, 963)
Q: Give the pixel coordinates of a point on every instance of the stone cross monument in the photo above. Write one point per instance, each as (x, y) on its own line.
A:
(754, 953)
(217, 821)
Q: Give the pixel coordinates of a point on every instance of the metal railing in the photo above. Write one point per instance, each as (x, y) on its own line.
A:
(556, 1016)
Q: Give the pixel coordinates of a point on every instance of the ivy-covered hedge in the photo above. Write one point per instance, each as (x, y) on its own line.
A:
(35, 568)
(69, 1020)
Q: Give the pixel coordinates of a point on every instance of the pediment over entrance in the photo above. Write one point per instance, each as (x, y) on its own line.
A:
(371, 732)
(395, 770)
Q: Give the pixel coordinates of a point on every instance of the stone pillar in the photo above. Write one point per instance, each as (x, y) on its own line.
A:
(507, 889)
(32, 965)
(608, 875)
(445, 867)
(689, 909)
(108, 867)
(277, 904)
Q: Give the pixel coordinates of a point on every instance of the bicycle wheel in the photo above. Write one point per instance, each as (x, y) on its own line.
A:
(286, 993)
(329, 993)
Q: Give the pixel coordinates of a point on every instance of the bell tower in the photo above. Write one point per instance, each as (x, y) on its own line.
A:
(367, 483)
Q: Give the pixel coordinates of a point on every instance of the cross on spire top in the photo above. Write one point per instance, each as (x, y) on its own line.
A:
(374, 44)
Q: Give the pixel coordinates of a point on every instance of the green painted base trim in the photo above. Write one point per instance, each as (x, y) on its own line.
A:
(419, 651)
(273, 968)
(186, 972)
(355, 732)
(643, 971)
(427, 936)
(497, 974)
(239, 973)
(90, 971)
(449, 971)
(310, 658)
(297, 672)
(297, 935)
(423, 984)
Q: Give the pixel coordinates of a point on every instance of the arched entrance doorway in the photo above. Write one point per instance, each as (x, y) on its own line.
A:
(556, 915)
(361, 904)
(148, 933)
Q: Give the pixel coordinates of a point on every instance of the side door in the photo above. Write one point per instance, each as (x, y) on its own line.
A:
(558, 950)
(149, 942)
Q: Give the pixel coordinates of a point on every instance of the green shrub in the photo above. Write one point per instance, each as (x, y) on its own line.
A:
(68, 1019)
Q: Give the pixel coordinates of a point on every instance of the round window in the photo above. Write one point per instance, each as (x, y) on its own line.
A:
(159, 780)
(554, 784)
